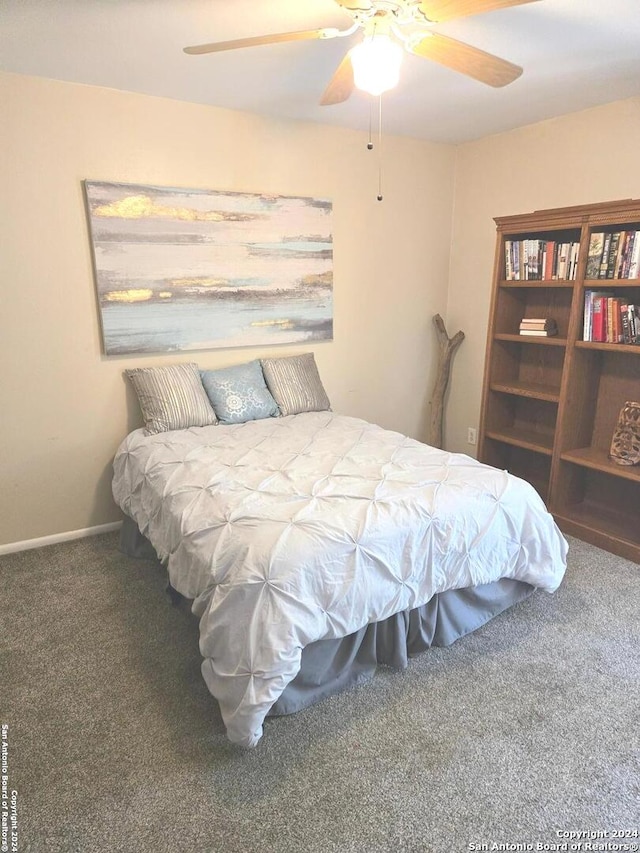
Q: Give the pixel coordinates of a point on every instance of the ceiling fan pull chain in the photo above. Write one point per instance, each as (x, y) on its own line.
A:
(370, 143)
(380, 148)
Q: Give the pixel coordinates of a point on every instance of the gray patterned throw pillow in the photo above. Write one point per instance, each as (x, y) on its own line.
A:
(171, 397)
(295, 384)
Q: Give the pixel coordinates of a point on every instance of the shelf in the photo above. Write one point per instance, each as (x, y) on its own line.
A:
(533, 283)
(598, 460)
(531, 339)
(519, 437)
(532, 467)
(627, 349)
(602, 526)
(608, 283)
(537, 391)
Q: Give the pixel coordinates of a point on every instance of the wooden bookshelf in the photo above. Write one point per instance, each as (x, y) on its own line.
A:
(550, 404)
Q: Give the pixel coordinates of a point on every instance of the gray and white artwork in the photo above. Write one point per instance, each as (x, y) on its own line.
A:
(188, 269)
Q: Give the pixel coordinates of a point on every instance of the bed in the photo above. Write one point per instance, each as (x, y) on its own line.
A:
(315, 546)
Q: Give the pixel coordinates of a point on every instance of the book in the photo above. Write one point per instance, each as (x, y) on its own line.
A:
(634, 264)
(612, 255)
(540, 326)
(629, 253)
(515, 264)
(555, 261)
(633, 314)
(623, 244)
(599, 318)
(587, 329)
(604, 259)
(508, 260)
(563, 260)
(594, 256)
(609, 314)
(533, 256)
(624, 321)
(574, 257)
(528, 259)
(586, 322)
(614, 331)
(616, 323)
(549, 254)
(544, 325)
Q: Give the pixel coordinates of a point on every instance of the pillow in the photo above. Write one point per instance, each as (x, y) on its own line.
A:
(171, 397)
(295, 384)
(239, 393)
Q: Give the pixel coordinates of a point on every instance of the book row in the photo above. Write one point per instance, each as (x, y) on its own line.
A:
(540, 260)
(614, 254)
(538, 326)
(610, 319)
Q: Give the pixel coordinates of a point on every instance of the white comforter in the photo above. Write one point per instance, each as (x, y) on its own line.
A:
(296, 529)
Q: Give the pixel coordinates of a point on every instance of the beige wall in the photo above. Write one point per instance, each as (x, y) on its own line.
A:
(65, 406)
(581, 158)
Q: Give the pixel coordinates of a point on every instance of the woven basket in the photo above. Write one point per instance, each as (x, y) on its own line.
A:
(625, 444)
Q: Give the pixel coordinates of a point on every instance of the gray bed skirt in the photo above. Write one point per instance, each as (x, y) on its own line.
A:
(329, 666)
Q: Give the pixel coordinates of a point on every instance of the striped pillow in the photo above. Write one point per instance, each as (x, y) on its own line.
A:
(171, 397)
(295, 384)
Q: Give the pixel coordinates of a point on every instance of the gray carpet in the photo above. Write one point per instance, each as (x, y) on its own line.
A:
(525, 729)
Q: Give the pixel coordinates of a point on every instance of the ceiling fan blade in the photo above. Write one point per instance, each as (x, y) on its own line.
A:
(341, 86)
(467, 60)
(447, 10)
(276, 38)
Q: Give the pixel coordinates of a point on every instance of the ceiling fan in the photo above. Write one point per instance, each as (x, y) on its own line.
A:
(391, 28)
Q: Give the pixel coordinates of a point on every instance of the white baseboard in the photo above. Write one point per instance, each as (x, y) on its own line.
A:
(27, 544)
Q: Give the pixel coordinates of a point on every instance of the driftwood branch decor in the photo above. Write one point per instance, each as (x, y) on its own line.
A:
(447, 347)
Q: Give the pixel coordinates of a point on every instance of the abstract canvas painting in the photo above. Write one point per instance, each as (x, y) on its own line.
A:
(187, 269)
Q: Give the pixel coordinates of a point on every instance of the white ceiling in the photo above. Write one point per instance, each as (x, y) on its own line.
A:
(575, 54)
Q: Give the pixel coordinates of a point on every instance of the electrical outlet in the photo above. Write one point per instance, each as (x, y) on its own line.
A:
(472, 435)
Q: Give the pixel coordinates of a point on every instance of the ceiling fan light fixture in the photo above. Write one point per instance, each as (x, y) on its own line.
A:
(376, 64)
